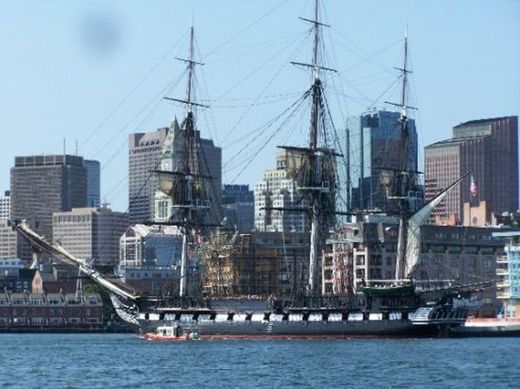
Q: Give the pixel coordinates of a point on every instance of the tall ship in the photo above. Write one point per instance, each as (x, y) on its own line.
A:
(185, 199)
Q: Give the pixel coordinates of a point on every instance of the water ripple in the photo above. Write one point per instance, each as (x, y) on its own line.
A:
(113, 361)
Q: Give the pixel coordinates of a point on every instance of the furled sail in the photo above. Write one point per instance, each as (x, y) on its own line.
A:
(418, 219)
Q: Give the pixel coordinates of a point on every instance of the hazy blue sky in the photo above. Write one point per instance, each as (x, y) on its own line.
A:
(96, 71)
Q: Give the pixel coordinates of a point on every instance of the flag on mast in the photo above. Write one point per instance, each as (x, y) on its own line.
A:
(473, 187)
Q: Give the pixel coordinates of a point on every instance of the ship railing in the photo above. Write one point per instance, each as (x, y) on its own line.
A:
(186, 318)
(204, 318)
(276, 317)
(358, 316)
(395, 316)
(295, 317)
(421, 314)
(239, 317)
(335, 317)
(221, 317)
(315, 317)
(258, 317)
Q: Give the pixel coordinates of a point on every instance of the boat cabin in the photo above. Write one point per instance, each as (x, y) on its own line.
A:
(169, 331)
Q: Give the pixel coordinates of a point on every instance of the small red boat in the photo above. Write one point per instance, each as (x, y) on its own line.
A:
(171, 333)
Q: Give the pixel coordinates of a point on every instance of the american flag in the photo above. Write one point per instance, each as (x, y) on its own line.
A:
(473, 187)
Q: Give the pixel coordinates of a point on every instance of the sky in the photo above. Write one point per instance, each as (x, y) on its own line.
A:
(90, 73)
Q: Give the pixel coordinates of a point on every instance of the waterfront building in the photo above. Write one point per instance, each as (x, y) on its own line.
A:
(91, 233)
(367, 248)
(5, 205)
(488, 148)
(58, 278)
(149, 258)
(93, 183)
(238, 206)
(337, 262)
(508, 274)
(145, 153)
(40, 311)
(370, 144)
(42, 185)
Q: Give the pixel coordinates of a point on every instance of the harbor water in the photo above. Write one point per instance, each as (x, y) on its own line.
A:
(124, 360)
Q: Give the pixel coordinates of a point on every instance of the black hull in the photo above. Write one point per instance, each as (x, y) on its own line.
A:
(368, 328)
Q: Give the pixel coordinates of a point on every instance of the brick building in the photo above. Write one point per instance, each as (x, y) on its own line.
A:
(488, 148)
(50, 311)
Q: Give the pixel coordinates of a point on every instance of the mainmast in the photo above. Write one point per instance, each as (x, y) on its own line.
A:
(315, 120)
(189, 127)
(404, 179)
(314, 186)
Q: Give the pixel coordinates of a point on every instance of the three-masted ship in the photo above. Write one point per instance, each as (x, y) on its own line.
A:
(184, 199)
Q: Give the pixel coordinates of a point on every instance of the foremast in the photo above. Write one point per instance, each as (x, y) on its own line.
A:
(184, 174)
(189, 127)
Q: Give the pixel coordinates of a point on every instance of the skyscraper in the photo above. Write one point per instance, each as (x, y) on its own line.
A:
(371, 144)
(145, 151)
(238, 206)
(144, 154)
(43, 184)
(91, 233)
(488, 149)
(93, 183)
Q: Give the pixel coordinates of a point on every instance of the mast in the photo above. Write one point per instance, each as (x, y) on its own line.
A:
(315, 117)
(318, 181)
(187, 170)
(404, 179)
(189, 128)
(314, 186)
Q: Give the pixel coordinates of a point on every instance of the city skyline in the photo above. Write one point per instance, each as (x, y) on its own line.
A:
(89, 73)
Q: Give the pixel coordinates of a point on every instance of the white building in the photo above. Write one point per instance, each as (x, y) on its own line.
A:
(279, 189)
(8, 240)
(90, 233)
(150, 246)
(207, 161)
(149, 258)
(5, 206)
